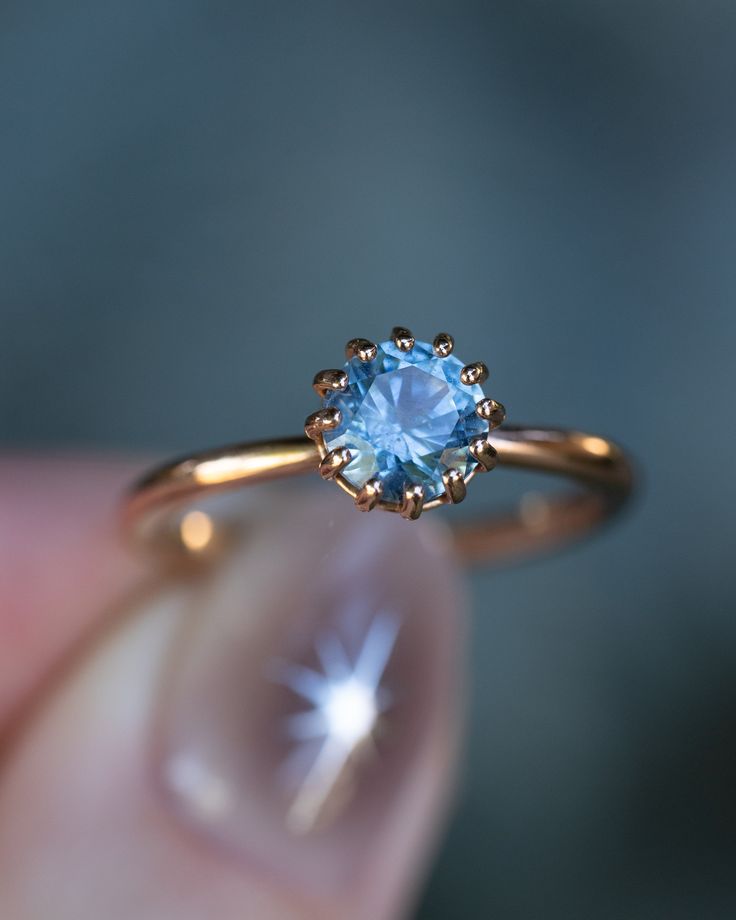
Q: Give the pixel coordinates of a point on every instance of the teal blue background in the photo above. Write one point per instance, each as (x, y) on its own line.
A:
(191, 191)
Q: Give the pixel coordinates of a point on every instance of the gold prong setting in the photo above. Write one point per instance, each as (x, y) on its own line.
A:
(330, 381)
(455, 487)
(334, 462)
(443, 345)
(359, 430)
(474, 374)
(362, 349)
(491, 411)
(484, 452)
(412, 502)
(402, 338)
(322, 420)
(369, 495)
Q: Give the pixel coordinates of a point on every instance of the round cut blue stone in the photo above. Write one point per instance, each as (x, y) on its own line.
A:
(406, 418)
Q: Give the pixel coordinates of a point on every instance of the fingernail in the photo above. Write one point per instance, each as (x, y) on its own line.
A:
(309, 715)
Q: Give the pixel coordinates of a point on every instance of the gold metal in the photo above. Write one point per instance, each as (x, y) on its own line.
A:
(196, 531)
(330, 381)
(413, 502)
(153, 510)
(334, 462)
(455, 487)
(368, 497)
(491, 411)
(484, 452)
(403, 339)
(322, 420)
(362, 349)
(443, 344)
(474, 373)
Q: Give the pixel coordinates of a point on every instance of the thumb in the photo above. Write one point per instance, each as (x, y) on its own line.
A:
(275, 740)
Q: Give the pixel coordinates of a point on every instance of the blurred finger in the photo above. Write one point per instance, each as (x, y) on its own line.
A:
(61, 563)
(276, 741)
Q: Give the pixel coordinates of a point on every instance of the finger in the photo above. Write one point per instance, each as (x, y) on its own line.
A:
(61, 562)
(181, 772)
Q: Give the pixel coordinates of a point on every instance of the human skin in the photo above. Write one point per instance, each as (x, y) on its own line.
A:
(89, 635)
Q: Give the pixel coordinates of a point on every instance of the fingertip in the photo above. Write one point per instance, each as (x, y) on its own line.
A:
(91, 808)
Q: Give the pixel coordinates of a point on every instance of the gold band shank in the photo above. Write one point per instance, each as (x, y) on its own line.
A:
(594, 462)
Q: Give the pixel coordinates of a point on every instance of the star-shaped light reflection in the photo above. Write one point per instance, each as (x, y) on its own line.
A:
(347, 701)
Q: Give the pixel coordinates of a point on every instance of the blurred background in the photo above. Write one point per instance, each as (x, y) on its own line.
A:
(193, 191)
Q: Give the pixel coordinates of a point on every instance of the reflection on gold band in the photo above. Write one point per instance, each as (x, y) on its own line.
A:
(196, 530)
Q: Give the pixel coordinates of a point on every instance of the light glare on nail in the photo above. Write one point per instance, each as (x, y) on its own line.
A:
(347, 701)
(350, 711)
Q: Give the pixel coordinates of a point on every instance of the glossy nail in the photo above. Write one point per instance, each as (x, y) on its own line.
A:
(313, 684)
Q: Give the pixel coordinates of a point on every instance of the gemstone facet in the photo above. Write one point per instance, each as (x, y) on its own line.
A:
(406, 418)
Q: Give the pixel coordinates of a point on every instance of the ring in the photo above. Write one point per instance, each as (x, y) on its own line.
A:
(404, 426)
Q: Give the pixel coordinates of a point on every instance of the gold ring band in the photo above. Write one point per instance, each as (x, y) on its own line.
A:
(156, 505)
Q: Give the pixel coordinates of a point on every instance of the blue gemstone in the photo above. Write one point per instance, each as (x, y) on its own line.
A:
(406, 418)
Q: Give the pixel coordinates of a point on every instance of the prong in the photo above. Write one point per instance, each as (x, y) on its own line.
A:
(334, 462)
(403, 339)
(454, 486)
(484, 452)
(490, 410)
(474, 373)
(322, 420)
(370, 495)
(413, 502)
(443, 345)
(330, 381)
(360, 348)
